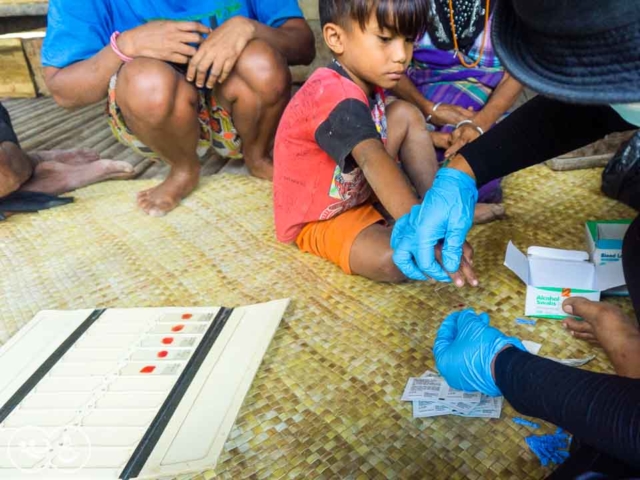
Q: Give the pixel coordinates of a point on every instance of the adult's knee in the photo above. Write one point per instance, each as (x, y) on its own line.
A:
(149, 90)
(265, 71)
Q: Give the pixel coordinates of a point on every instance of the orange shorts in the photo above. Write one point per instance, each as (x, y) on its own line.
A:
(332, 239)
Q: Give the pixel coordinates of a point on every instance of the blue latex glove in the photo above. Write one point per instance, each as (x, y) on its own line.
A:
(465, 348)
(446, 213)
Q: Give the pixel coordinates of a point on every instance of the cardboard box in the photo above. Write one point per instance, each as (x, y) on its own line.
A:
(604, 241)
(552, 275)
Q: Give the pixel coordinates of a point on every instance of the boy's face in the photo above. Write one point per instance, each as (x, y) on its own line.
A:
(373, 56)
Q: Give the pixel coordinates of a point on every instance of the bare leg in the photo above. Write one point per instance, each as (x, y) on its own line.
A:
(371, 255)
(160, 107)
(79, 156)
(256, 93)
(408, 138)
(487, 212)
(15, 168)
(56, 177)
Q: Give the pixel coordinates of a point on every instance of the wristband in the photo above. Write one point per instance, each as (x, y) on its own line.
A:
(116, 50)
(463, 122)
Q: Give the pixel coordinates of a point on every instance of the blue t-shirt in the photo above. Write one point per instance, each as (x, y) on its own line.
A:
(78, 29)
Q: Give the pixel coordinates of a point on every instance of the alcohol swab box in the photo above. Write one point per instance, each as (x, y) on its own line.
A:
(553, 275)
(127, 393)
(604, 242)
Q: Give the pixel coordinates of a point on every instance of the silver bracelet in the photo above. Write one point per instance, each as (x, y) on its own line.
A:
(463, 122)
(435, 107)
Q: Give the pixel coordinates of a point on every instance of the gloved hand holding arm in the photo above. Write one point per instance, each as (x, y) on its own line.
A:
(446, 213)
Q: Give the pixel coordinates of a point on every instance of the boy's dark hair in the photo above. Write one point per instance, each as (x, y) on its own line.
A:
(408, 18)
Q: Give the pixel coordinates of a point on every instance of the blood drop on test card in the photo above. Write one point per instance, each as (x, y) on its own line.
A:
(148, 369)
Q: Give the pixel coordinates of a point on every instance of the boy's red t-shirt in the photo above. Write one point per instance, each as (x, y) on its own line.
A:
(315, 176)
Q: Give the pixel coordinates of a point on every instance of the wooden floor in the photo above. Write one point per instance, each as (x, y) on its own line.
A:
(42, 125)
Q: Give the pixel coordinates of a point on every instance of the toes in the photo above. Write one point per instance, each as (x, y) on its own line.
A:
(115, 168)
(155, 207)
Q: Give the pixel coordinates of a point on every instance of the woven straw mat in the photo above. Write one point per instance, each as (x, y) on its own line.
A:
(326, 400)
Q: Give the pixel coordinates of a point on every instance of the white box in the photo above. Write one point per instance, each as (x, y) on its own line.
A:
(552, 275)
(604, 241)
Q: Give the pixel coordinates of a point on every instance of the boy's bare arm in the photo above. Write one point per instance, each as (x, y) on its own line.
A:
(385, 177)
(86, 82)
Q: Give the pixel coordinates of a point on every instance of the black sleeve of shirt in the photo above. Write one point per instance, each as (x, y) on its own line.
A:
(539, 130)
(348, 124)
(602, 411)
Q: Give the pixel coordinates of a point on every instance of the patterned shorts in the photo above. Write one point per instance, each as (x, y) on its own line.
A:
(216, 127)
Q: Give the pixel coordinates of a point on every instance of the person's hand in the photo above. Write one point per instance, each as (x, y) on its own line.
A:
(445, 213)
(447, 114)
(462, 135)
(219, 53)
(465, 348)
(404, 239)
(441, 139)
(163, 40)
(606, 324)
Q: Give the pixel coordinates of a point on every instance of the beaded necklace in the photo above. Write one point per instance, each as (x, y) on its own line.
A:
(455, 37)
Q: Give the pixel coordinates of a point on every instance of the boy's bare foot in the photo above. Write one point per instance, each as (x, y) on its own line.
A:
(487, 212)
(161, 199)
(79, 156)
(608, 326)
(56, 178)
(262, 168)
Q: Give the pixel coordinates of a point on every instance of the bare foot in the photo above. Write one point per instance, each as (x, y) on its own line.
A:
(262, 168)
(78, 156)
(608, 326)
(487, 212)
(56, 178)
(161, 199)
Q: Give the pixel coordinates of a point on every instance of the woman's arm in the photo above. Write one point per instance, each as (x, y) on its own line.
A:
(500, 101)
(541, 129)
(445, 113)
(600, 410)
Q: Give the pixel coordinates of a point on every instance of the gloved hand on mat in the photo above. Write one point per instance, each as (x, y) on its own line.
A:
(446, 213)
(465, 348)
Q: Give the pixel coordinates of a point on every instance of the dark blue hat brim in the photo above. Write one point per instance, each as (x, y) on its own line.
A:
(599, 68)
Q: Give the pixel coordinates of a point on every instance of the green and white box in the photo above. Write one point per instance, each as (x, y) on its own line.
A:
(604, 241)
(553, 275)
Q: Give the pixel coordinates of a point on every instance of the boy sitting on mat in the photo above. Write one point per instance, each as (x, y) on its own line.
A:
(336, 145)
